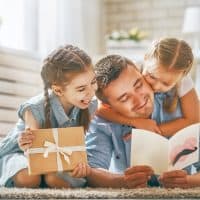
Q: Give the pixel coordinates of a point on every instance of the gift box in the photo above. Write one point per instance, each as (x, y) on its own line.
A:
(57, 149)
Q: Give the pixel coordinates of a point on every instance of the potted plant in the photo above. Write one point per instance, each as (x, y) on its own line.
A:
(132, 38)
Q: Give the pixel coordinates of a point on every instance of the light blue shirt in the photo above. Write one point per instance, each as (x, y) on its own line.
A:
(105, 144)
(12, 159)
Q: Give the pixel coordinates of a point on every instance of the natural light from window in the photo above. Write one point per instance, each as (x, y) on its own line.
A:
(12, 24)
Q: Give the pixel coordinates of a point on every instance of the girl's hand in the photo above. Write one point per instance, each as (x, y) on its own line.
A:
(175, 179)
(25, 140)
(147, 124)
(81, 170)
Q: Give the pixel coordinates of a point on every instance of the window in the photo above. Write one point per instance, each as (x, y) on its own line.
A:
(12, 26)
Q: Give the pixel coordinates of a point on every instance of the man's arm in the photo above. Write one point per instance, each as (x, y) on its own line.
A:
(103, 178)
(134, 177)
(99, 146)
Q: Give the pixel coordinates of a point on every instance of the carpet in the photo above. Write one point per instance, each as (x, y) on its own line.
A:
(99, 193)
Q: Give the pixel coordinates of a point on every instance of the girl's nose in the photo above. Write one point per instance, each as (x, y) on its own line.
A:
(91, 91)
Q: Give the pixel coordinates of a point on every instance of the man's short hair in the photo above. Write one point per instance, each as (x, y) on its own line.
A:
(107, 70)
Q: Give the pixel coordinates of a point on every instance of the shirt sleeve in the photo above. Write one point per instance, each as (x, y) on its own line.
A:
(36, 110)
(9, 144)
(185, 86)
(99, 145)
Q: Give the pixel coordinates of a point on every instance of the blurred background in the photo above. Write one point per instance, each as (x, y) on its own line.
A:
(30, 29)
(42, 25)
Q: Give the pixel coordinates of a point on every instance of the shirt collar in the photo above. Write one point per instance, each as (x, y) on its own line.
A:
(59, 113)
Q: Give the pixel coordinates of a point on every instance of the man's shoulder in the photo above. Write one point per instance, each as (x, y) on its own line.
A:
(99, 124)
(100, 120)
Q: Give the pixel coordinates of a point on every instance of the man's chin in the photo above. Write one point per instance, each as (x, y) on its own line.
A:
(138, 115)
(145, 114)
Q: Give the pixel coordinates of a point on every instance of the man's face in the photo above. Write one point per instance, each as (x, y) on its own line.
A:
(130, 95)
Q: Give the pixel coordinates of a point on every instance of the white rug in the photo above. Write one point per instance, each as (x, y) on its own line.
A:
(99, 193)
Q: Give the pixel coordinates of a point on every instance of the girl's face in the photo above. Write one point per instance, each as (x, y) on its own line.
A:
(79, 91)
(160, 78)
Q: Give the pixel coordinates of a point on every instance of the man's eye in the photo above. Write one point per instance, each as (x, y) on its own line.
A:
(124, 99)
(81, 90)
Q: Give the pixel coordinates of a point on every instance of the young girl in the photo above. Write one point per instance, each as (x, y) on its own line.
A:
(165, 68)
(69, 85)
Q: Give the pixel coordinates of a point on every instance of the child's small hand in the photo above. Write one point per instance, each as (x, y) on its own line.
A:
(81, 170)
(25, 140)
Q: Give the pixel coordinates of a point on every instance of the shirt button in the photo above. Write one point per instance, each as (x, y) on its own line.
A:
(117, 157)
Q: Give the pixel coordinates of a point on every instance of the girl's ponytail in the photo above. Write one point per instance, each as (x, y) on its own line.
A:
(47, 108)
(170, 103)
(84, 118)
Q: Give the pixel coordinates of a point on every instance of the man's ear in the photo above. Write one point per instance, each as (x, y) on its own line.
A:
(57, 90)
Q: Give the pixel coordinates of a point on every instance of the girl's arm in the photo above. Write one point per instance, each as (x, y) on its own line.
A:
(107, 113)
(180, 179)
(30, 120)
(191, 114)
(25, 139)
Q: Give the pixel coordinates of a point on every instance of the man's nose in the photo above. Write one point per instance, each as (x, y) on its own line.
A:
(137, 99)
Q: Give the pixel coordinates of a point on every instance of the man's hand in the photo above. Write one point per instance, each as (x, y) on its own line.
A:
(173, 179)
(137, 177)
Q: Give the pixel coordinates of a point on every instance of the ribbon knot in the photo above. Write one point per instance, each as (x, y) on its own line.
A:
(52, 147)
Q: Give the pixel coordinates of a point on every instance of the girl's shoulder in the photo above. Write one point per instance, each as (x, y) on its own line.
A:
(34, 104)
(185, 85)
(36, 100)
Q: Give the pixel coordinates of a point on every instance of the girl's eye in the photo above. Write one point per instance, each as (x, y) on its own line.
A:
(139, 85)
(165, 84)
(151, 76)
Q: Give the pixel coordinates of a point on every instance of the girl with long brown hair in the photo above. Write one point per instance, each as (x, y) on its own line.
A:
(69, 86)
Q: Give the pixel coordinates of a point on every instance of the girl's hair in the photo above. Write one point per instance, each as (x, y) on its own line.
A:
(58, 68)
(172, 53)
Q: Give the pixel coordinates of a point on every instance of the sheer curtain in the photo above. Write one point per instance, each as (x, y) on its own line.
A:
(76, 22)
(46, 24)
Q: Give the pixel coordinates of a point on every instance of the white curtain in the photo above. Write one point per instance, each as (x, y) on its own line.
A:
(42, 25)
(77, 22)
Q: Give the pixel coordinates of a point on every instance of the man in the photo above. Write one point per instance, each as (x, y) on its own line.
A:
(123, 88)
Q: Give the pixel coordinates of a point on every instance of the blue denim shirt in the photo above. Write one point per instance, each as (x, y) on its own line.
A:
(12, 159)
(104, 139)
